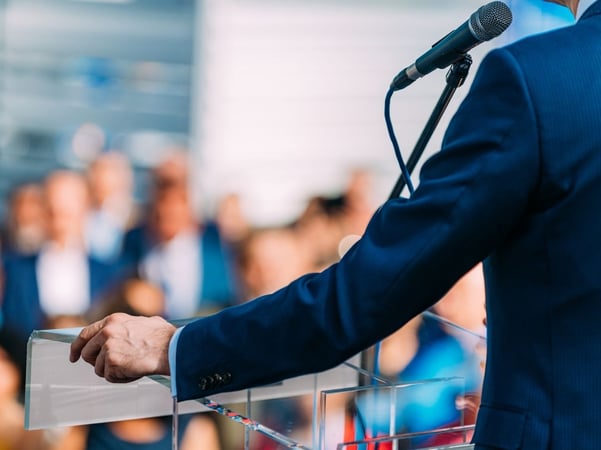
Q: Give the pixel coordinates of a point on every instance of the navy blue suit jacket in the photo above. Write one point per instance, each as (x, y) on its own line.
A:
(517, 184)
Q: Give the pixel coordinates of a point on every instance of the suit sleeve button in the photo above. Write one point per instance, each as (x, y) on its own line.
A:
(227, 377)
(202, 383)
(210, 382)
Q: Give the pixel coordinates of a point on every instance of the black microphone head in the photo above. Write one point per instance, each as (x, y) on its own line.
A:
(490, 20)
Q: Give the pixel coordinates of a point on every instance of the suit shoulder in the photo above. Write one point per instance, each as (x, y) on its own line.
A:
(549, 45)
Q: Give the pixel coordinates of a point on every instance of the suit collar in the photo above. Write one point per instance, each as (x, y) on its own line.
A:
(593, 10)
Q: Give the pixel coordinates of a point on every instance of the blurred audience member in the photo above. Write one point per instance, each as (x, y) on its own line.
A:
(113, 212)
(179, 253)
(132, 296)
(329, 226)
(61, 279)
(231, 221)
(173, 170)
(320, 228)
(269, 259)
(358, 203)
(25, 225)
(464, 304)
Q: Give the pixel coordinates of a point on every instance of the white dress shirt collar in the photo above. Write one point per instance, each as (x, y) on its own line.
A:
(583, 6)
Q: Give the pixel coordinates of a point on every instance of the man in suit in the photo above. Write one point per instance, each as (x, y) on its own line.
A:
(516, 184)
(61, 279)
(175, 250)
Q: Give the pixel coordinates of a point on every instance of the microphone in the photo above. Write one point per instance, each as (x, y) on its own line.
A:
(488, 22)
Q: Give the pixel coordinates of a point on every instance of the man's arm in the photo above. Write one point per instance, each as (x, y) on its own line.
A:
(472, 195)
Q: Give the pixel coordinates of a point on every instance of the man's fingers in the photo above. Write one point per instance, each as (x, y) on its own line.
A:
(99, 364)
(123, 348)
(93, 347)
(84, 337)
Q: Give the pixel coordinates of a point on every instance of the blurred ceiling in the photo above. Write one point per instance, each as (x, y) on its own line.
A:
(125, 66)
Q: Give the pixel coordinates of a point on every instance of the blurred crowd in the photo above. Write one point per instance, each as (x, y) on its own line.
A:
(76, 246)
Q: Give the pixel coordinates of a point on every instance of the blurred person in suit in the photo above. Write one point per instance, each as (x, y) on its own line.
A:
(516, 185)
(185, 256)
(23, 230)
(112, 207)
(61, 278)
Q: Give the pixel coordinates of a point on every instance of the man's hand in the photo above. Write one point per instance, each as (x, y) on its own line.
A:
(123, 348)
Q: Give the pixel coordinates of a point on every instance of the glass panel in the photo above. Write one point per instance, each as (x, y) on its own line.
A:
(60, 393)
(433, 347)
(366, 412)
(454, 438)
(269, 436)
(297, 416)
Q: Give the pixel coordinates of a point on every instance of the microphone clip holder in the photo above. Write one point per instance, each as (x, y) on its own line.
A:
(455, 78)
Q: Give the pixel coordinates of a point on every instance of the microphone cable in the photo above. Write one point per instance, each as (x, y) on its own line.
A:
(395, 144)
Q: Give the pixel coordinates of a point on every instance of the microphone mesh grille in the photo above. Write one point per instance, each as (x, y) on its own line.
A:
(490, 20)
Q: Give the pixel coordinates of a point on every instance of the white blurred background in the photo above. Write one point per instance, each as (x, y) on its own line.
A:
(276, 100)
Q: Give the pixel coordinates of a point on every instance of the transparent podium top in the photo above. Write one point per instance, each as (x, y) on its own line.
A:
(60, 393)
(352, 406)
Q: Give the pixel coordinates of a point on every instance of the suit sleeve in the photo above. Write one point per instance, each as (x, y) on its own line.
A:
(472, 195)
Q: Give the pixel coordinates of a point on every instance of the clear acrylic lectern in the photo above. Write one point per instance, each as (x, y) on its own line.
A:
(346, 408)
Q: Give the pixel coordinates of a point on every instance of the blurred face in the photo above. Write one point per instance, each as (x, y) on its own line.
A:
(464, 303)
(231, 220)
(28, 217)
(321, 234)
(108, 178)
(67, 207)
(274, 258)
(144, 298)
(28, 207)
(171, 213)
(173, 171)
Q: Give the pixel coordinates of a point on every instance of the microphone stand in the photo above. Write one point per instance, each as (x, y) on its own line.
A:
(455, 78)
